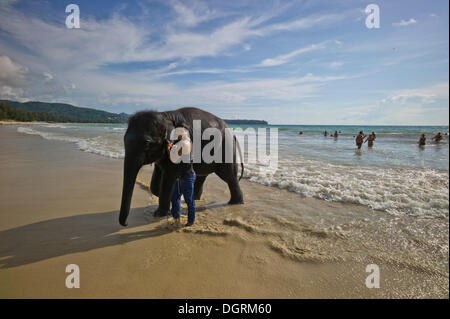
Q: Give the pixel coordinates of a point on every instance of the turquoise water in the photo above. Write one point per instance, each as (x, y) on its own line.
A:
(394, 146)
(395, 175)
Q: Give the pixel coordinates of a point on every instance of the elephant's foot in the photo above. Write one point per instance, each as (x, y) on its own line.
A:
(160, 213)
(236, 201)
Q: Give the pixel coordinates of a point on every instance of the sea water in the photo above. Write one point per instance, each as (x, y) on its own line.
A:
(395, 175)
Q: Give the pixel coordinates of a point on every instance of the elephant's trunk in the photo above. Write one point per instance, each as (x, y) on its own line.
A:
(130, 170)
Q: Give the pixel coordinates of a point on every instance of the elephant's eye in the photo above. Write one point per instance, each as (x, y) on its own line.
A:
(150, 145)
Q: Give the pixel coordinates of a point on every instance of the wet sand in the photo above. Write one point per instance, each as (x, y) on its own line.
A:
(59, 206)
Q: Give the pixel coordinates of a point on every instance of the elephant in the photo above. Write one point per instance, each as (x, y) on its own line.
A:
(145, 143)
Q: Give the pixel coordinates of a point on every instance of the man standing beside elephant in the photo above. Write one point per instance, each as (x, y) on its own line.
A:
(179, 153)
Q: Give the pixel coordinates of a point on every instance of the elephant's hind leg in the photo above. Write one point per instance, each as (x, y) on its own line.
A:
(198, 187)
(228, 174)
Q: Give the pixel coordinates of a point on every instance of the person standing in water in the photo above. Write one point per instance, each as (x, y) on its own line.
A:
(335, 135)
(422, 140)
(438, 137)
(360, 139)
(325, 133)
(370, 139)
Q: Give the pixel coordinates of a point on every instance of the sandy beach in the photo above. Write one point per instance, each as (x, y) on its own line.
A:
(59, 206)
(21, 123)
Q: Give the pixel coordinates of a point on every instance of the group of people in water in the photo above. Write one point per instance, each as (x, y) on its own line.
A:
(335, 134)
(361, 138)
(423, 139)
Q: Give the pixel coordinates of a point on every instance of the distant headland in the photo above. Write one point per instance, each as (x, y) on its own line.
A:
(258, 122)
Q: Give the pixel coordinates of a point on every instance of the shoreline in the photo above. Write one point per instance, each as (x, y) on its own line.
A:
(60, 206)
(25, 123)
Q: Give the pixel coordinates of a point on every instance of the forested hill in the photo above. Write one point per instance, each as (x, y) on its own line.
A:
(67, 112)
(10, 113)
(61, 112)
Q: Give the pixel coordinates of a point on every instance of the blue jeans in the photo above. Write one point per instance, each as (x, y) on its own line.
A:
(183, 186)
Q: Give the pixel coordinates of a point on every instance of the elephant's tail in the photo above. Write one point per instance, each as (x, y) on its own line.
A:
(240, 155)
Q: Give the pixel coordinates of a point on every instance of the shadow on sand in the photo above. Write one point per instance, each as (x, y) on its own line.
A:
(61, 236)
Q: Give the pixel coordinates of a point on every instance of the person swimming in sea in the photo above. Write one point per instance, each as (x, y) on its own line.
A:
(325, 133)
(438, 137)
(422, 140)
(335, 135)
(360, 139)
(370, 139)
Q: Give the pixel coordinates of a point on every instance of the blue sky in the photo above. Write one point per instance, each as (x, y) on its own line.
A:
(287, 62)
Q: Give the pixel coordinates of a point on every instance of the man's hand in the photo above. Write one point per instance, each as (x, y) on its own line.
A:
(169, 146)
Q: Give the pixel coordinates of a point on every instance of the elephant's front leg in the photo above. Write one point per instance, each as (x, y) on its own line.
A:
(167, 181)
(156, 181)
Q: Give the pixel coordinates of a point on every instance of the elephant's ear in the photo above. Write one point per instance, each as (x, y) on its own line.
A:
(165, 126)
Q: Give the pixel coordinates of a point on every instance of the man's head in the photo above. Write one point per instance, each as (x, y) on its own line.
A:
(179, 133)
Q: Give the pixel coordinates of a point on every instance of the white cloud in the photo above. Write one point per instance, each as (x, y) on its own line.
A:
(336, 64)
(137, 88)
(282, 59)
(117, 39)
(193, 14)
(427, 94)
(96, 43)
(12, 74)
(10, 93)
(195, 44)
(404, 23)
(47, 76)
(306, 22)
(160, 74)
(426, 105)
